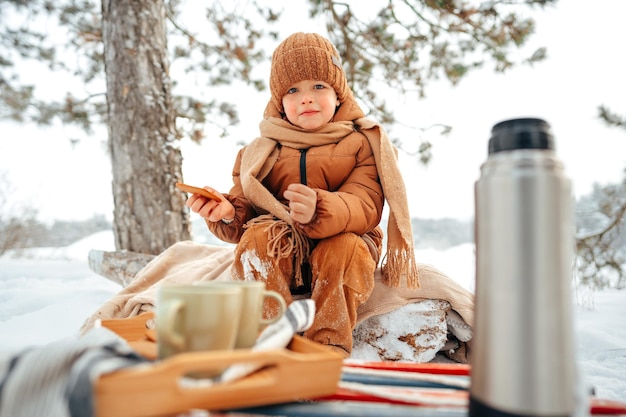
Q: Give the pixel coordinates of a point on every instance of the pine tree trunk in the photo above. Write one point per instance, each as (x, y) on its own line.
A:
(150, 214)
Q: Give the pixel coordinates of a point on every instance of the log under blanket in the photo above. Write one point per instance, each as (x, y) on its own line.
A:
(188, 262)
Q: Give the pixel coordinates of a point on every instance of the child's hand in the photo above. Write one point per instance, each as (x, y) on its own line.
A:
(302, 202)
(212, 210)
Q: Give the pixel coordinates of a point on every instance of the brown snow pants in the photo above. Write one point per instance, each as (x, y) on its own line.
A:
(341, 273)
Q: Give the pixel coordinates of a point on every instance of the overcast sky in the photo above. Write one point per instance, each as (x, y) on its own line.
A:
(584, 69)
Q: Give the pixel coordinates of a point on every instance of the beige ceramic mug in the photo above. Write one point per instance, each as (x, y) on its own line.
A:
(252, 322)
(191, 318)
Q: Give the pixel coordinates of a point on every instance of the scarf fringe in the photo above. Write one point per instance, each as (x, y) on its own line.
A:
(284, 241)
(400, 269)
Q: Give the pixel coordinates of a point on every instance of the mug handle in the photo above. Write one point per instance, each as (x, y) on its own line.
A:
(175, 339)
(282, 307)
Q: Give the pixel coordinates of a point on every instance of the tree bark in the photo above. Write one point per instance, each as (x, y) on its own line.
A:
(150, 214)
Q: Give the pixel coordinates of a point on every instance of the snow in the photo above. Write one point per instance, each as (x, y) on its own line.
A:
(48, 293)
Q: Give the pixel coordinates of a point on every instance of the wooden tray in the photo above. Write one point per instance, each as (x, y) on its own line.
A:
(301, 371)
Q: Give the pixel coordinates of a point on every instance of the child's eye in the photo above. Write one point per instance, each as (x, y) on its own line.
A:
(319, 86)
(292, 90)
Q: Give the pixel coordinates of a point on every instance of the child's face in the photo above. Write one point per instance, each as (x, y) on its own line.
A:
(310, 104)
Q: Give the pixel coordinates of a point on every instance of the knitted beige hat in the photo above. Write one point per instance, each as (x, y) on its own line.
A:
(306, 56)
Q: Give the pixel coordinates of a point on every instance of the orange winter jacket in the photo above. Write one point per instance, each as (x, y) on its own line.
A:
(349, 193)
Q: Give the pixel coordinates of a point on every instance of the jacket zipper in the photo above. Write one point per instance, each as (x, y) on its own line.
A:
(303, 166)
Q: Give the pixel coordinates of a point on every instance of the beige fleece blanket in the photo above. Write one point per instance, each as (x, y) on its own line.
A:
(187, 262)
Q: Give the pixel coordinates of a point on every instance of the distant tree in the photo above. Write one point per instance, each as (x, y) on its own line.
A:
(601, 226)
(63, 233)
(601, 236)
(403, 44)
(441, 233)
(17, 221)
(611, 118)
(23, 230)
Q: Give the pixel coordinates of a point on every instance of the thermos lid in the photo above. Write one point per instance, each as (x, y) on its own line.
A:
(525, 133)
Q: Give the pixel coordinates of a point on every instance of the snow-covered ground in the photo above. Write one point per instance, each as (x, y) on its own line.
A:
(48, 295)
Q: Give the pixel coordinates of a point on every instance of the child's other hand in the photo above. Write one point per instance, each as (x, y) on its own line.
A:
(212, 210)
(302, 202)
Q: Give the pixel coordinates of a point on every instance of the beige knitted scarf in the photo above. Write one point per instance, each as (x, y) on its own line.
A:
(398, 266)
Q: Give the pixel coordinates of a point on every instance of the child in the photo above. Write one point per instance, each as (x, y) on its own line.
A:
(308, 195)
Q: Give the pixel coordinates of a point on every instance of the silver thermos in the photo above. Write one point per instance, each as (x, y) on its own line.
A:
(523, 361)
